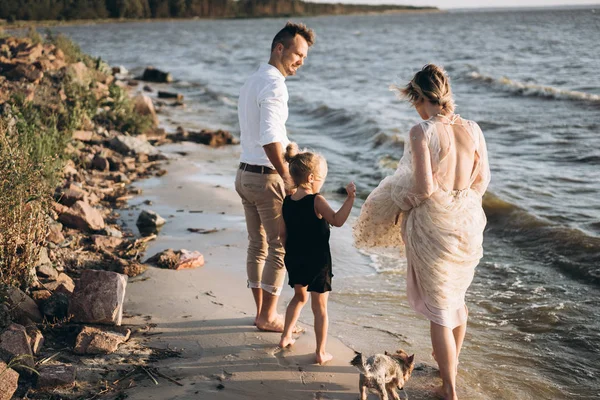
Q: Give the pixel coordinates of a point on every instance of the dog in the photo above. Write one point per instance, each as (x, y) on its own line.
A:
(383, 373)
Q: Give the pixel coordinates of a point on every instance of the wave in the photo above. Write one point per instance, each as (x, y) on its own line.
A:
(343, 123)
(572, 251)
(531, 89)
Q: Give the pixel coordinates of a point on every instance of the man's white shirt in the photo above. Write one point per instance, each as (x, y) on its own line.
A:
(262, 112)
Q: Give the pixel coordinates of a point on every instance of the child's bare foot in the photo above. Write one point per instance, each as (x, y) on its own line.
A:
(322, 358)
(286, 341)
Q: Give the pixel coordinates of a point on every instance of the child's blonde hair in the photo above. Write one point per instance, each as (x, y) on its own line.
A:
(302, 163)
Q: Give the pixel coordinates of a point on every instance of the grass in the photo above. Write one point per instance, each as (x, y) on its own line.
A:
(34, 134)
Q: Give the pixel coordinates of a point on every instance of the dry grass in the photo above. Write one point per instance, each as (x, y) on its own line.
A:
(24, 197)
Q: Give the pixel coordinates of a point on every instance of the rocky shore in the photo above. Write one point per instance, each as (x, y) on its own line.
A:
(67, 314)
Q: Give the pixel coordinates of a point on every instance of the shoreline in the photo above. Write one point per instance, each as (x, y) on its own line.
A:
(21, 24)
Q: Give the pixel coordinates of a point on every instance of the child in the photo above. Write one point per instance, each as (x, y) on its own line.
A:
(305, 234)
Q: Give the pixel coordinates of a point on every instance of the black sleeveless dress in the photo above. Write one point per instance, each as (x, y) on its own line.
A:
(307, 253)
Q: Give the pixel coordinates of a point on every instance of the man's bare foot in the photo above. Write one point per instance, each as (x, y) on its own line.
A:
(275, 325)
(286, 341)
(322, 358)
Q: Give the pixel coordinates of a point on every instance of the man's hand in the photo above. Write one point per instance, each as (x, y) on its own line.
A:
(288, 182)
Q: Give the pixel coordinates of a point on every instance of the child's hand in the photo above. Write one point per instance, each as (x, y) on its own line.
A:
(351, 190)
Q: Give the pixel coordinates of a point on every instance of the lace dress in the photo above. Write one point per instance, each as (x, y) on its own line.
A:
(442, 234)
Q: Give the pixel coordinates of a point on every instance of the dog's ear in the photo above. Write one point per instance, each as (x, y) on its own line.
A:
(386, 353)
(410, 359)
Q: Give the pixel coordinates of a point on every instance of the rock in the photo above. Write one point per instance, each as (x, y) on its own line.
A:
(94, 340)
(47, 271)
(106, 242)
(143, 106)
(14, 342)
(36, 339)
(25, 71)
(149, 222)
(44, 261)
(63, 284)
(79, 73)
(152, 74)
(189, 260)
(84, 136)
(70, 196)
(114, 232)
(52, 376)
(178, 97)
(22, 305)
(133, 145)
(9, 381)
(148, 88)
(119, 70)
(100, 163)
(167, 259)
(131, 269)
(98, 298)
(210, 138)
(56, 306)
(83, 217)
(5, 317)
(55, 233)
(40, 296)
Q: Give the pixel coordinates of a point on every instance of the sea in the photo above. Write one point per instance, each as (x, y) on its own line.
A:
(530, 78)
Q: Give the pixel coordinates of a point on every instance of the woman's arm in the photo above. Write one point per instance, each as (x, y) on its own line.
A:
(421, 161)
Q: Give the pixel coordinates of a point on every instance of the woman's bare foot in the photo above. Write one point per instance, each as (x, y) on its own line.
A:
(445, 394)
(286, 341)
(322, 358)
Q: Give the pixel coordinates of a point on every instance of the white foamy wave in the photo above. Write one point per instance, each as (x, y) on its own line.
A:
(385, 261)
(531, 89)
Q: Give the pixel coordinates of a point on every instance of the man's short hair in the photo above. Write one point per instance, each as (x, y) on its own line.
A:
(289, 32)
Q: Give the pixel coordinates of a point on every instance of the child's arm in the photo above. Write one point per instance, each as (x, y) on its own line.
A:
(282, 231)
(336, 218)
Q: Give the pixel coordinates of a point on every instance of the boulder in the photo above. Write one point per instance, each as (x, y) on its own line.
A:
(70, 196)
(149, 222)
(93, 340)
(113, 232)
(9, 381)
(100, 163)
(63, 284)
(40, 296)
(14, 342)
(56, 306)
(152, 74)
(52, 376)
(79, 73)
(36, 339)
(84, 136)
(98, 298)
(189, 260)
(83, 217)
(209, 138)
(44, 266)
(55, 233)
(143, 106)
(133, 145)
(22, 305)
(178, 97)
(25, 71)
(106, 242)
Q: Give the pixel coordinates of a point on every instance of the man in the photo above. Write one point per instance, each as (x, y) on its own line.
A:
(263, 178)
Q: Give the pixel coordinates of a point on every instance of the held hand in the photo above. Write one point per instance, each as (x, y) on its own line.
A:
(351, 190)
(290, 187)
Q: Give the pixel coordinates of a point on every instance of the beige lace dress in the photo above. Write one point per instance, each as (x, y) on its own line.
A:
(441, 235)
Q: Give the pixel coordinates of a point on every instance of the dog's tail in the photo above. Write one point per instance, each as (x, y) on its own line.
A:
(360, 363)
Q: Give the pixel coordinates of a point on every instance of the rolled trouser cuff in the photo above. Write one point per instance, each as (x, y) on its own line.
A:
(274, 290)
(253, 285)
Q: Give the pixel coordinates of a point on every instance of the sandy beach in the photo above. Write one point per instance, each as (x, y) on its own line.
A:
(207, 313)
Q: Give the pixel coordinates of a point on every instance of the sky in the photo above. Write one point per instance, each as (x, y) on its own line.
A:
(470, 3)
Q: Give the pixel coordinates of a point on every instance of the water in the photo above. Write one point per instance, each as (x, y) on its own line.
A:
(529, 78)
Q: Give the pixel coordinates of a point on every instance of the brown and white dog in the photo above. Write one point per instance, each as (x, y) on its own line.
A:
(383, 373)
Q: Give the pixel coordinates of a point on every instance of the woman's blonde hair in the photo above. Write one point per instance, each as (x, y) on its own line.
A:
(302, 163)
(430, 83)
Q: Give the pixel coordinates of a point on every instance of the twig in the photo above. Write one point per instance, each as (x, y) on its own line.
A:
(125, 376)
(157, 372)
(150, 375)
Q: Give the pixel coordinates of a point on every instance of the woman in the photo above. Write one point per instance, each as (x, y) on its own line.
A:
(431, 207)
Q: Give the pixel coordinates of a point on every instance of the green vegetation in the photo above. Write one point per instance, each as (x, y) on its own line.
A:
(35, 10)
(35, 131)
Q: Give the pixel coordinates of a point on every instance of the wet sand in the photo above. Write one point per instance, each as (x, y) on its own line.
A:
(207, 313)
